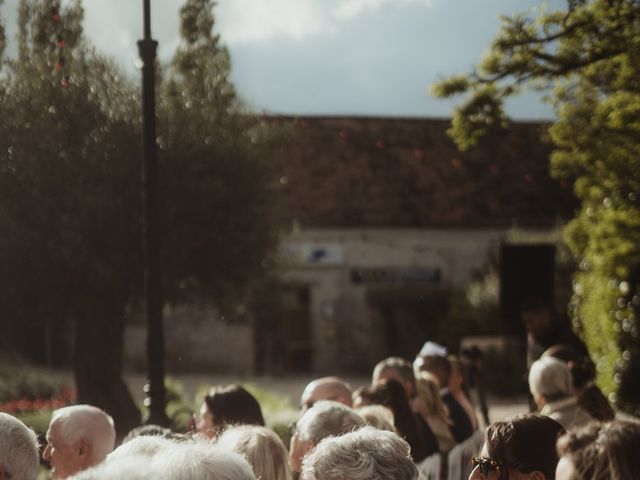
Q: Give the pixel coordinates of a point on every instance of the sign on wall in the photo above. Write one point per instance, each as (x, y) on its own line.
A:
(313, 254)
(400, 275)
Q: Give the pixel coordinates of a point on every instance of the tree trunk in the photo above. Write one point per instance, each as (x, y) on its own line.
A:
(98, 360)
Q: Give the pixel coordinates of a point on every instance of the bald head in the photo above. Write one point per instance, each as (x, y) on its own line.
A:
(326, 388)
(79, 437)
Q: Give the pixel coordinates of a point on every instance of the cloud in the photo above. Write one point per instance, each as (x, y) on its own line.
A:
(348, 9)
(249, 21)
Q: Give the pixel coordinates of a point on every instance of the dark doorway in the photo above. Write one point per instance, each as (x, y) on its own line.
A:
(282, 328)
(410, 316)
(526, 273)
(296, 323)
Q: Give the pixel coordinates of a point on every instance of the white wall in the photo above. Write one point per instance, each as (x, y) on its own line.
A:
(196, 339)
(338, 304)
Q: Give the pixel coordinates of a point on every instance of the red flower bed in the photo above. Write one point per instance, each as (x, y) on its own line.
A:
(66, 397)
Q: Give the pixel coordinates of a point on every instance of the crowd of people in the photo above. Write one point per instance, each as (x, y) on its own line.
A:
(390, 429)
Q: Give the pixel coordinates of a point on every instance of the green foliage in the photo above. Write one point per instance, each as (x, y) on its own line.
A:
(179, 407)
(3, 36)
(476, 118)
(38, 420)
(64, 160)
(450, 86)
(197, 22)
(26, 382)
(70, 199)
(212, 151)
(70, 189)
(539, 51)
(473, 311)
(590, 54)
(277, 409)
(31, 393)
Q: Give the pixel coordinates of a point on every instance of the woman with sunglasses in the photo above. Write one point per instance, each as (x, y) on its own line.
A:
(520, 448)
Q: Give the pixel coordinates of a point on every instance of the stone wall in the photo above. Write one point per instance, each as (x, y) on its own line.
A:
(347, 271)
(347, 276)
(196, 339)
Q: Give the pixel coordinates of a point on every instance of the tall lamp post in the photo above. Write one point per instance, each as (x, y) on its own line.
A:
(155, 390)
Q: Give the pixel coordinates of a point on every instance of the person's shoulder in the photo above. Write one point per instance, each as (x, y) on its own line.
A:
(455, 409)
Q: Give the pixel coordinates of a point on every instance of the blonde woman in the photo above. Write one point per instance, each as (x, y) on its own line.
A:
(429, 404)
(262, 448)
(378, 416)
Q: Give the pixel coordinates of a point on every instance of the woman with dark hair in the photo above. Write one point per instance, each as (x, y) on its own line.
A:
(519, 448)
(600, 451)
(227, 405)
(391, 394)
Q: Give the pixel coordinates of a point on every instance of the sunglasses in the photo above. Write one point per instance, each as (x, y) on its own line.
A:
(486, 465)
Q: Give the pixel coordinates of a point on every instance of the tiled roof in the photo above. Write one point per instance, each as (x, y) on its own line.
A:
(399, 172)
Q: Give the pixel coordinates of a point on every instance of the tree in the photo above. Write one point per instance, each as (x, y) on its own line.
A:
(587, 56)
(69, 204)
(212, 159)
(64, 150)
(3, 38)
(70, 194)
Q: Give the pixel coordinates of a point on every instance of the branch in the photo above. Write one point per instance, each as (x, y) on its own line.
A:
(562, 66)
(548, 38)
(568, 65)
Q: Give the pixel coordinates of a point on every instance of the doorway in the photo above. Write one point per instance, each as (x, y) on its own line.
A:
(296, 323)
(526, 272)
(410, 316)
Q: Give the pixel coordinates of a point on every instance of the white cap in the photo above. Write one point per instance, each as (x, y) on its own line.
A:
(432, 348)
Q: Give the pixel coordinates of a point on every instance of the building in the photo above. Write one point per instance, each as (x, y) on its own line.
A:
(389, 225)
(390, 221)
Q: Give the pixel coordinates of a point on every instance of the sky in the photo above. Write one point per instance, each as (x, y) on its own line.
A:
(326, 57)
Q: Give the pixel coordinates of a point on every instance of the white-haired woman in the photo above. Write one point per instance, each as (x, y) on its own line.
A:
(18, 449)
(200, 460)
(550, 385)
(262, 448)
(365, 454)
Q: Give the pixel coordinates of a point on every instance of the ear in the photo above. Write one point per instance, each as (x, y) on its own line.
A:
(537, 475)
(308, 446)
(84, 448)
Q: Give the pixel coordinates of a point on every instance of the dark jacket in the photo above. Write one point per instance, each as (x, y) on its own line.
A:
(461, 428)
(427, 438)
